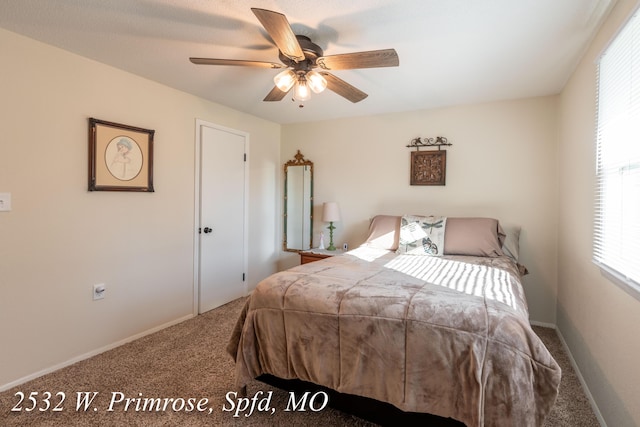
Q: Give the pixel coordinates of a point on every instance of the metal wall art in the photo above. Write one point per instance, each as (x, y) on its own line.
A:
(428, 167)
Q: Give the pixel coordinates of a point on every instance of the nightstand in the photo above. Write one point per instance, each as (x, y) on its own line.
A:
(316, 254)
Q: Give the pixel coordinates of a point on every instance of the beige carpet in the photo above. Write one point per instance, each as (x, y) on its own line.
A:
(189, 361)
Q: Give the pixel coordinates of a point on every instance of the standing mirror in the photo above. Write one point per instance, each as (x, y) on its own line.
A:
(298, 204)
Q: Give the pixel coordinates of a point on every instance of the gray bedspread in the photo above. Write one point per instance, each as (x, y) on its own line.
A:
(447, 335)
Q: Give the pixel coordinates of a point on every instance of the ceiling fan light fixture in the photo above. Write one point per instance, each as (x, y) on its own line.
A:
(299, 55)
(301, 91)
(285, 80)
(317, 83)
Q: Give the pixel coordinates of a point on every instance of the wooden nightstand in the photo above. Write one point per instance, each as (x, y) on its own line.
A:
(316, 254)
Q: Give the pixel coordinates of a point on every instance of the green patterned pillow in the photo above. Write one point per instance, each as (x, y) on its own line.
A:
(422, 235)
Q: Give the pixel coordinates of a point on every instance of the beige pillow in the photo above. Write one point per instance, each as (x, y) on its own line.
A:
(384, 232)
(473, 236)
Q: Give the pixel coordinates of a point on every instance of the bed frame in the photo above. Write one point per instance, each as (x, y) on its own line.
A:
(372, 410)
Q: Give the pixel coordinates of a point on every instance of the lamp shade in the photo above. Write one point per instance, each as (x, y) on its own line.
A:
(316, 82)
(330, 212)
(301, 91)
(285, 80)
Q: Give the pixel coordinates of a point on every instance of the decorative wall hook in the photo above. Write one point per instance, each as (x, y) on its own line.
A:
(438, 141)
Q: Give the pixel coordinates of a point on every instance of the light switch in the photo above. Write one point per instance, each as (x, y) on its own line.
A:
(5, 202)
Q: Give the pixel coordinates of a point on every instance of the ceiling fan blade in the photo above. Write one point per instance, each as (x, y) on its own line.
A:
(350, 61)
(236, 62)
(280, 31)
(275, 95)
(343, 88)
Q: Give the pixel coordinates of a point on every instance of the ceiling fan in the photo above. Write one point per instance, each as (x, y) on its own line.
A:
(300, 56)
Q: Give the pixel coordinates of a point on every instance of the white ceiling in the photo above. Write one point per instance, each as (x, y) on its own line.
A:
(451, 51)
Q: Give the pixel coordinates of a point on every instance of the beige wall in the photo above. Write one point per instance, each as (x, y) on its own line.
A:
(597, 319)
(502, 164)
(60, 239)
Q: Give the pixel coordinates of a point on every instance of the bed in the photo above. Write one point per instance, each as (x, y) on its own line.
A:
(444, 333)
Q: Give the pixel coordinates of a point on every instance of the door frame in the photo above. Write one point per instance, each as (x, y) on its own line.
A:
(196, 217)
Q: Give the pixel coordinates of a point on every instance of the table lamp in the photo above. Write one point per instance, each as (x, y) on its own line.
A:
(330, 214)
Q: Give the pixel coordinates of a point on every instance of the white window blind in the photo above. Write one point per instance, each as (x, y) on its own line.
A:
(617, 213)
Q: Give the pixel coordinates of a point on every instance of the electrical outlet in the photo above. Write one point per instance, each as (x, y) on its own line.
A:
(98, 291)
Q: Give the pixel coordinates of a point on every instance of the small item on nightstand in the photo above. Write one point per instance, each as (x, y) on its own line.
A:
(345, 247)
(321, 241)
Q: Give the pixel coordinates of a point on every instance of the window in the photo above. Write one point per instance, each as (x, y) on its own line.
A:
(617, 213)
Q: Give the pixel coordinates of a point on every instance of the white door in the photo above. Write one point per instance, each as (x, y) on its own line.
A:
(221, 235)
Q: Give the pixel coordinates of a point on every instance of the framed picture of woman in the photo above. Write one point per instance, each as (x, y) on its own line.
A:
(120, 157)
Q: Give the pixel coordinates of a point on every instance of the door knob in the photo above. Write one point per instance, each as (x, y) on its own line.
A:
(207, 230)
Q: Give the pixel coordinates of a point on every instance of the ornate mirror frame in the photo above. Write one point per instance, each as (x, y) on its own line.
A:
(298, 204)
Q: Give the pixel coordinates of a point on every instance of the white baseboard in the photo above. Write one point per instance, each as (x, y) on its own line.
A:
(543, 324)
(583, 383)
(92, 353)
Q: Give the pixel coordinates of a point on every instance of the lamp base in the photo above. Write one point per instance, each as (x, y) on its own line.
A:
(331, 228)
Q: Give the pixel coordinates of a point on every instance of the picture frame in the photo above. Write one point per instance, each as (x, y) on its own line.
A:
(120, 157)
(428, 167)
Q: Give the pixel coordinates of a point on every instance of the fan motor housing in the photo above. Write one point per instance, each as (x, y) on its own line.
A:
(311, 52)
